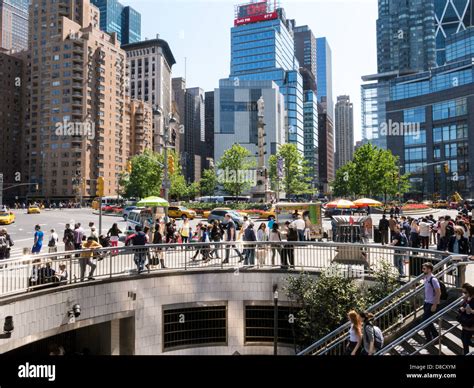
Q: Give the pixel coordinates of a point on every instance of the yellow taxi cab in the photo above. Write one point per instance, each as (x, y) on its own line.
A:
(205, 214)
(180, 211)
(440, 204)
(7, 217)
(33, 209)
(271, 212)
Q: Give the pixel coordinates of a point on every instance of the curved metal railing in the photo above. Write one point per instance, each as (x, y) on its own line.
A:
(394, 310)
(33, 272)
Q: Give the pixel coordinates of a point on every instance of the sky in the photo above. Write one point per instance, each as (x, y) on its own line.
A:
(199, 30)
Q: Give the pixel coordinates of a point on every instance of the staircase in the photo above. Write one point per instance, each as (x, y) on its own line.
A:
(399, 317)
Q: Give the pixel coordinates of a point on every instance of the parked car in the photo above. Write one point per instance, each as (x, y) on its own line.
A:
(219, 215)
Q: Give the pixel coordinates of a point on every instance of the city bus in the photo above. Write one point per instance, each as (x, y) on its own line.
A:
(107, 201)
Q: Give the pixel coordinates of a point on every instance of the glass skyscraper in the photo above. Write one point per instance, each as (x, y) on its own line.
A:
(14, 25)
(311, 144)
(263, 48)
(451, 17)
(324, 75)
(406, 35)
(437, 111)
(124, 21)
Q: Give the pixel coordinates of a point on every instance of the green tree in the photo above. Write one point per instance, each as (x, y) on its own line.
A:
(234, 170)
(208, 182)
(372, 172)
(146, 176)
(180, 189)
(296, 179)
(386, 282)
(323, 303)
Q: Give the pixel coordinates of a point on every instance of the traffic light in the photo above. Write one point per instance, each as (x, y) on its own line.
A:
(170, 164)
(129, 166)
(446, 168)
(100, 186)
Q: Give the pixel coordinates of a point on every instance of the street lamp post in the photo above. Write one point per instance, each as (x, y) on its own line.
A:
(275, 319)
(166, 127)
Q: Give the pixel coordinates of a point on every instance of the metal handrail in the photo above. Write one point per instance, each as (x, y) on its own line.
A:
(435, 339)
(334, 337)
(419, 288)
(309, 256)
(419, 327)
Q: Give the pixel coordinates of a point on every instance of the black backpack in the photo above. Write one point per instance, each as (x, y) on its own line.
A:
(449, 230)
(442, 287)
(139, 239)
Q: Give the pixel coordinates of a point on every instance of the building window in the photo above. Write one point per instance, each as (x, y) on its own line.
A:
(194, 326)
(448, 109)
(259, 324)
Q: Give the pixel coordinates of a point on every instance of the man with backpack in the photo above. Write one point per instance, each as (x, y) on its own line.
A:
(138, 239)
(399, 240)
(432, 299)
(372, 336)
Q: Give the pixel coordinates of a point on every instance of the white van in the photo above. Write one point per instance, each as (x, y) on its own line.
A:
(141, 217)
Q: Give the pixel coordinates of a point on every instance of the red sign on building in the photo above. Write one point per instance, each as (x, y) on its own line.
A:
(256, 18)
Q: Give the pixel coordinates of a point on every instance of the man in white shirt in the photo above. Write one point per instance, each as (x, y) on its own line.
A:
(300, 226)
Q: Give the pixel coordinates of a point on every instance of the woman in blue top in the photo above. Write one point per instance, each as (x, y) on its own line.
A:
(38, 244)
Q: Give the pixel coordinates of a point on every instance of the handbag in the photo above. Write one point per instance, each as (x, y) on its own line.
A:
(51, 242)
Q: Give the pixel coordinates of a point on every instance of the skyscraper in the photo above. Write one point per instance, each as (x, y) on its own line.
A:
(451, 17)
(305, 51)
(263, 48)
(149, 66)
(191, 106)
(326, 148)
(236, 116)
(209, 128)
(436, 107)
(11, 116)
(124, 21)
(76, 128)
(406, 35)
(14, 25)
(324, 75)
(344, 131)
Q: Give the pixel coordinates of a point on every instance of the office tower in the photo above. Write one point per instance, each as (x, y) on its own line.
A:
(406, 35)
(76, 128)
(344, 131)
(430, 117)
(305, 51)
(324, 75)
(123, 20)
(326, 147)
(14, 25)
(209, 128)
(191, 106)
(236, 119)
(149, 67)
(262, 48)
